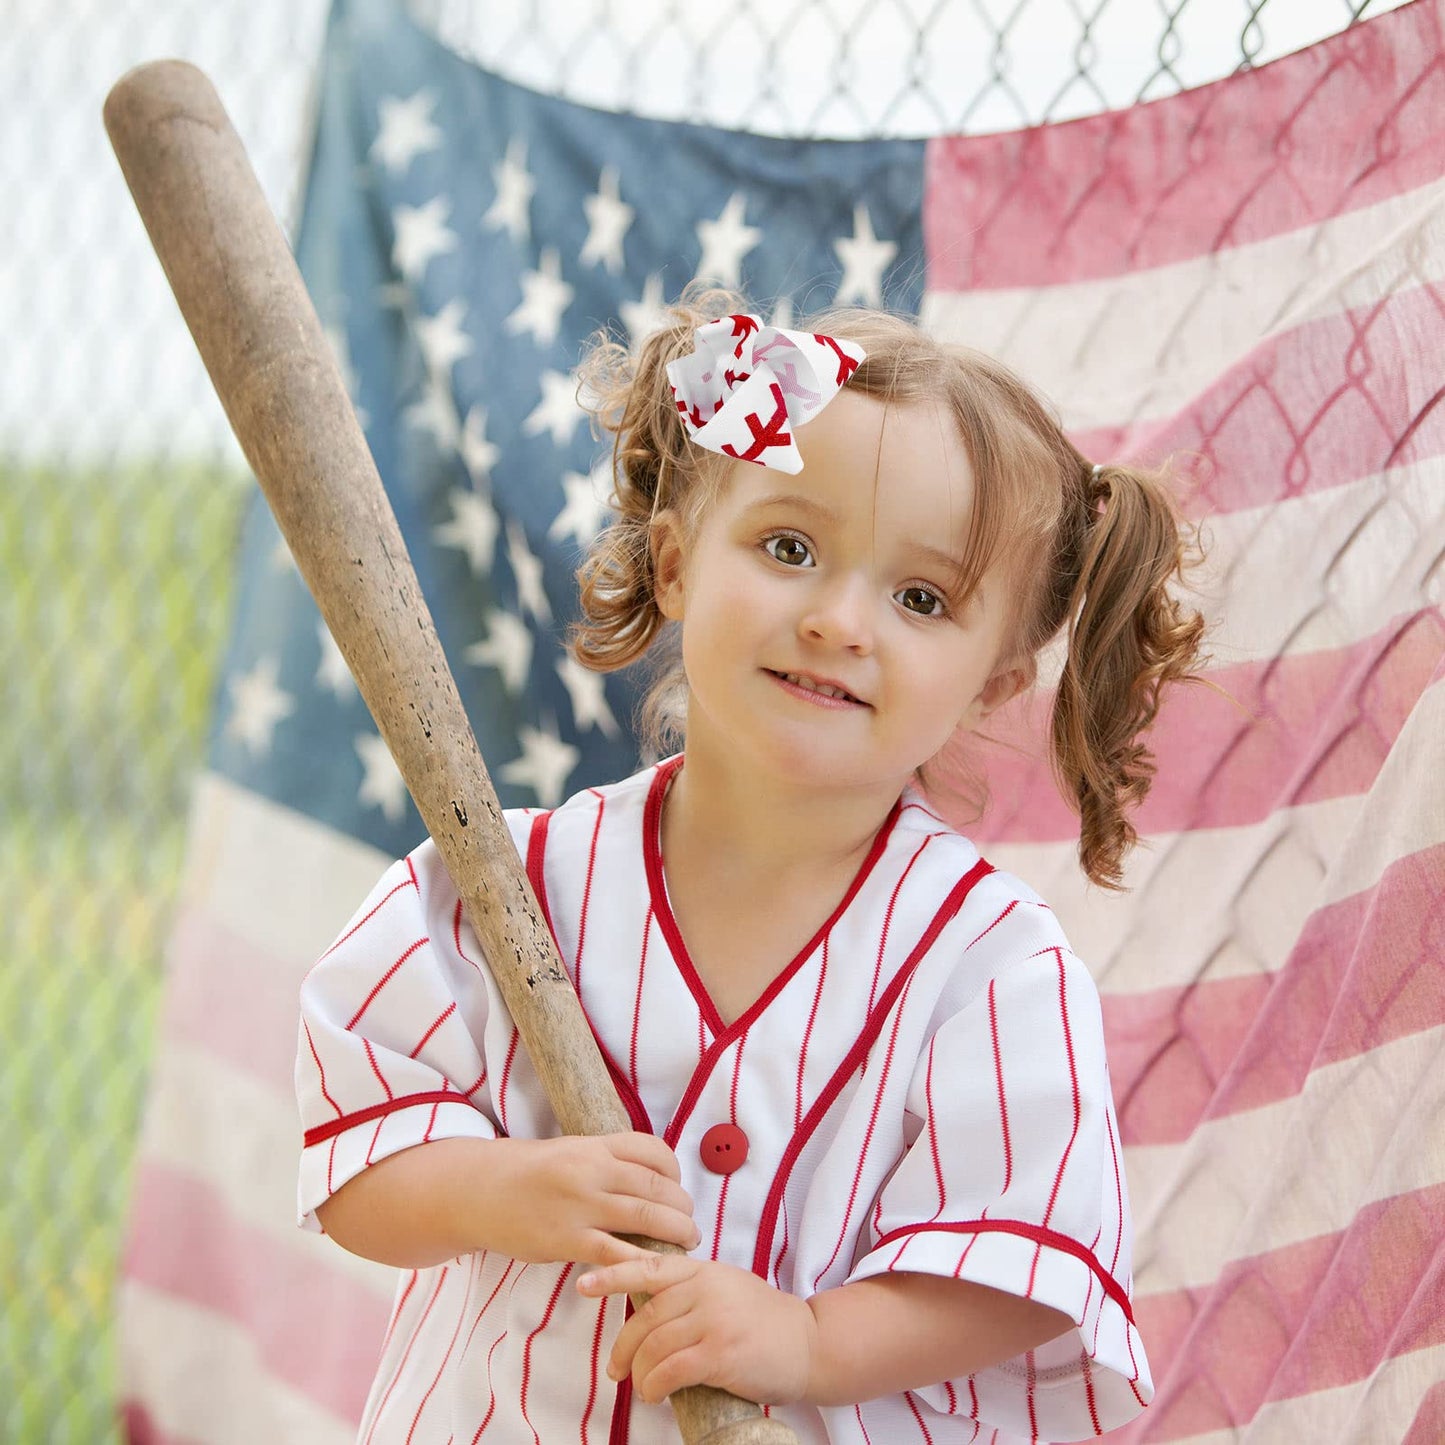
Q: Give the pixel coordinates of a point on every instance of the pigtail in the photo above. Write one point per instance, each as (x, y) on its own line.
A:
(1128, 639)
(653, 466)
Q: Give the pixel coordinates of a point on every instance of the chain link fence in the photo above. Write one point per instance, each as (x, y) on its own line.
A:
(120, 489)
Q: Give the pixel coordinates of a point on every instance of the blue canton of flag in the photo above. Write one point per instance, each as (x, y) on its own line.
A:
(462, 237)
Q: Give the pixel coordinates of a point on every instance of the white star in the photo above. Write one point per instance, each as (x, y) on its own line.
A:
(782, 316)
(478, 453)
(281, 558)
(381, 784)
(608, 217)
(342, 351)
(473, 528)
(257, 705)
(545, 765)
(589, 696)
(514, 193)
(725, 242)
(643, 316)
(507, 647)
(332, 672)
(436, 412)
(585, 509)
(441, 338)
(864, 259)
(558, 411)
(406, 131)
(527, 569)
(545, 296)
(421, 233)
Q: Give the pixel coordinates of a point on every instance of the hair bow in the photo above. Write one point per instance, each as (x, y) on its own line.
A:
(745, 386)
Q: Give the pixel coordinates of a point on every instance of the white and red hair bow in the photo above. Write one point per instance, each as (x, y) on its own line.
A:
(745, 386)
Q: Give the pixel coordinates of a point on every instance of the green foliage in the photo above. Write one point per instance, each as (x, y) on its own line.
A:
(116, 586)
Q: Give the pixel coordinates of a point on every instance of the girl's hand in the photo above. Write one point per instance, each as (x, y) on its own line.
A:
(569, 1198)
(707, 1324)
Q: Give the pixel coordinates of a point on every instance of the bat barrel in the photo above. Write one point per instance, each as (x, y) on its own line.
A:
(248, 310)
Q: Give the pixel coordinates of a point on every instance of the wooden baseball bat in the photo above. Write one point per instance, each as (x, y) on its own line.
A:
(234, 277)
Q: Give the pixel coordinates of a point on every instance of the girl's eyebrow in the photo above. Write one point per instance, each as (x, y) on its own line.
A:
(795, 500)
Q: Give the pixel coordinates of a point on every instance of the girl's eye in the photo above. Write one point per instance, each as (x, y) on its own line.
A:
(791, 551)
(923, 601)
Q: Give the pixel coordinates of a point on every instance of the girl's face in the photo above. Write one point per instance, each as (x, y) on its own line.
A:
(821, 632)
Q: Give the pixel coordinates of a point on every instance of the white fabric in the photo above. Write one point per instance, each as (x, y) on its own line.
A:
(923, 1088)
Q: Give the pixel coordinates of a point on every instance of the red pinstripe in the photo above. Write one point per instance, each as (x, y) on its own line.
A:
(321, 1072)
(888, 918)
(406, 1354)
(722, 1197)
(384, 980)
(496, 1290)
(1089, 1392)
(1073, 1079)
(436, 1379)
(527, 1348)
(593, 1365)
(371, 1059)
(1033, 1407)
(397, 1311)
(441, 1018)
(492, 1389)
(868, 1136)
(587, 893)
(333, 1127)
(933, 1128)
(1008, 1157)
(637, 1000)
(913, 1406)
(1012, 904)
(808, 1032)
(506, 1074)
(367, 917)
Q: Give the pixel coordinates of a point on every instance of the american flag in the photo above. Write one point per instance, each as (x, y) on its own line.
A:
(1249, 277)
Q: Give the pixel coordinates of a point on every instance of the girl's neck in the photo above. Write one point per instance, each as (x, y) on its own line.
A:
(749, 826)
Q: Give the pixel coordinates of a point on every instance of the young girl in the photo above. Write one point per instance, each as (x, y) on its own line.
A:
(865, 1071)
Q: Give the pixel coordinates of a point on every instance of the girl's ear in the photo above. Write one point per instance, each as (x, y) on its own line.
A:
(1013, 677)
(665, 538)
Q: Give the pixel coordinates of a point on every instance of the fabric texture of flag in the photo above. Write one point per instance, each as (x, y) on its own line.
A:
(1250, 278)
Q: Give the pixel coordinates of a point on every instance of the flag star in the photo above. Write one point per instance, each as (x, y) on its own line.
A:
(406, 130)
(608, 219)
(436, 412)
(332, 672)
(588, 694)
(725, 242)
(545, 296)
(473, 528)
(281, 558)
(558, 411)
(782, 316)
(442, 339)
(421, 234)
(257, 705)
(478, 453)
(527, 569)
(645, 315)
(509, 211)
(586, 507)
(545, 765)
(342, 351)
(864, 259)
(381, 784)
(506, 647)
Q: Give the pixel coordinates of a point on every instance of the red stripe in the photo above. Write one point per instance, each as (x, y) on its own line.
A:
(1336, 399)
(368, 916)
(185, 1242)
(1301, 729)
(406, 1355)
(1428, 1426)
(1311, 1316)
(808, 1034)
(1048, 1238)
(888, 916)
(384, 980)
(527, 1348)
(854, 1060)
(1008, 1155)
(1073, 1081)
(587, 892)
(322, 1132)
(1364, 971)
(537, 869)
(1345, 123)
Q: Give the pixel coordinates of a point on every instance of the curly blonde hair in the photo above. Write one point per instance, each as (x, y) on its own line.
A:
(1113, 537)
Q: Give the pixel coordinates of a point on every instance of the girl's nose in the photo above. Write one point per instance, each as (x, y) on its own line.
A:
(839, 613)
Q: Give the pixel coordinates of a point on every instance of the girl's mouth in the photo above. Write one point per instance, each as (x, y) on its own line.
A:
(819, 689)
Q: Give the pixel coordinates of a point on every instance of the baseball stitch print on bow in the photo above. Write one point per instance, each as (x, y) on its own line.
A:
(745, 385)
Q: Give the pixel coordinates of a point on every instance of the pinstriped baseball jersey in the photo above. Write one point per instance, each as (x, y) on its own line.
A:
(923, 1088)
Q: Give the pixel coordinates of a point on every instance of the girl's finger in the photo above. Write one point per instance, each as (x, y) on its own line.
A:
(644, 1273)
(667, 1359)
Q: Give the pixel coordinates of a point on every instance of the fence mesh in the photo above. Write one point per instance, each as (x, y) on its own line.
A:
(120, 490)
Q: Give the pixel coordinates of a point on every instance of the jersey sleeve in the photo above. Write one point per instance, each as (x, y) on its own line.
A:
(392, 1038)
(1015, 1180)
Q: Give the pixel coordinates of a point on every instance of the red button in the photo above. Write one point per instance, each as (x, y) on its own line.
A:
(724, 1148)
